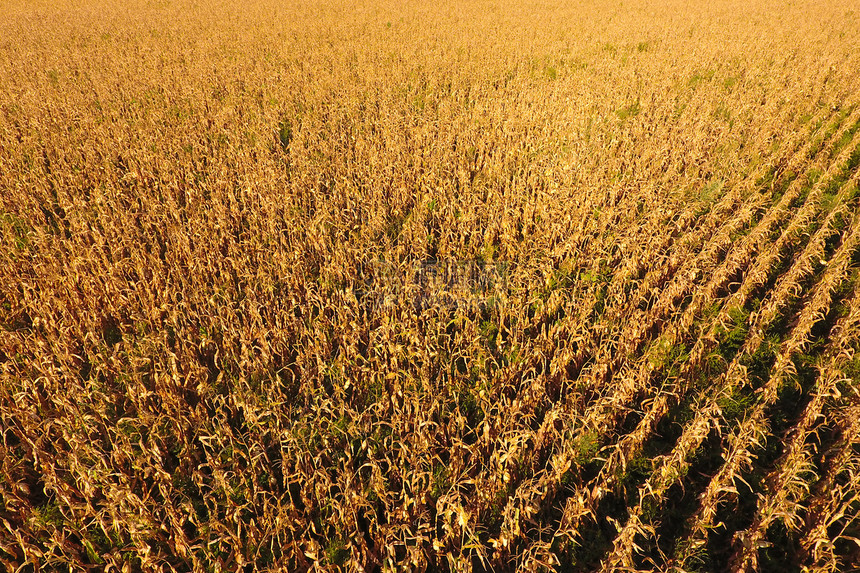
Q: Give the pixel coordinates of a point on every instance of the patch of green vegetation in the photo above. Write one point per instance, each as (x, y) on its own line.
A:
(732, 336)
(711, 191)
(600, 301)
(668, 358)
(587, 446)
(488, 252)
(467, 399)
(441, 481)
(781, 185)
(766, 180)
(833, 127)
(590, 277)
(812, 177)
(419, 102)
(695, 555)
(735, 406)
(372, 390)
(852, 163)
(308, 437)
(631, 110)
(285, 133)
(563, 278)
(341, 427)
(851, 373)
(489, 331)
(49, 514)
(186, 486)
(336, 552)
(18, 228)
(649, 508)
(98, 543)
(759, 363)
(496, 508)
(670, 427)
(638, 470)
(723, 113)
(831, 191)
(92, 553)
(844, 140)
(829, 198)
(701, 76)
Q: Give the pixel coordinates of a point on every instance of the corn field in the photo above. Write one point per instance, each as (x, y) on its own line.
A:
(485, 285)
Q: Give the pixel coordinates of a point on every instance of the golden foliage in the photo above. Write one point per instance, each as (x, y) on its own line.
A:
(454, 286)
